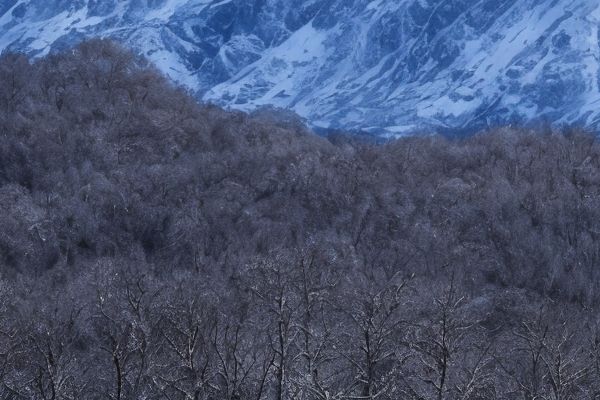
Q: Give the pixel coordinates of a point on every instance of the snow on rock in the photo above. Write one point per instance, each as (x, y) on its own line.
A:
(389, 67)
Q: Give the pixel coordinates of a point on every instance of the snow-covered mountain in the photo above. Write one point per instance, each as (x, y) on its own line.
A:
(386, 66)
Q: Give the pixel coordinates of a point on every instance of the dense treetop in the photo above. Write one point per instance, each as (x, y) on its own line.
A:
(181, 251)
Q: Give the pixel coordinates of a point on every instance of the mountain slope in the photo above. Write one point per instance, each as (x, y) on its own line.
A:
(386, 66)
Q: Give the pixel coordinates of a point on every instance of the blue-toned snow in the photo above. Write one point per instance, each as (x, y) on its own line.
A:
(385, 66)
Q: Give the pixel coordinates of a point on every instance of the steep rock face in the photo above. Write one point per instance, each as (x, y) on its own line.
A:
(385, 66)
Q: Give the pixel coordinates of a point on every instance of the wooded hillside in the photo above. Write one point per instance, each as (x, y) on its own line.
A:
(155, 248)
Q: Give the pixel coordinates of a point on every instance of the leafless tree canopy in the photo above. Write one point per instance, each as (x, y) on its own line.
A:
(155, 248)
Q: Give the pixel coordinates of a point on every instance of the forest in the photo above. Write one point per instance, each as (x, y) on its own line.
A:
(155, 247)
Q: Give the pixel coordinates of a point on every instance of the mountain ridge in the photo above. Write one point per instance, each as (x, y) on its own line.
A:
(385, 67)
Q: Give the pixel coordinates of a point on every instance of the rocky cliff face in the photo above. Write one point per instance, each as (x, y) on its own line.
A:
(384, 66)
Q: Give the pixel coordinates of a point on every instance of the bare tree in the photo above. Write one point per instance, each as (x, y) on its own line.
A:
(125, 326)
(438, 343)
(188, 328)
(372, 343)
